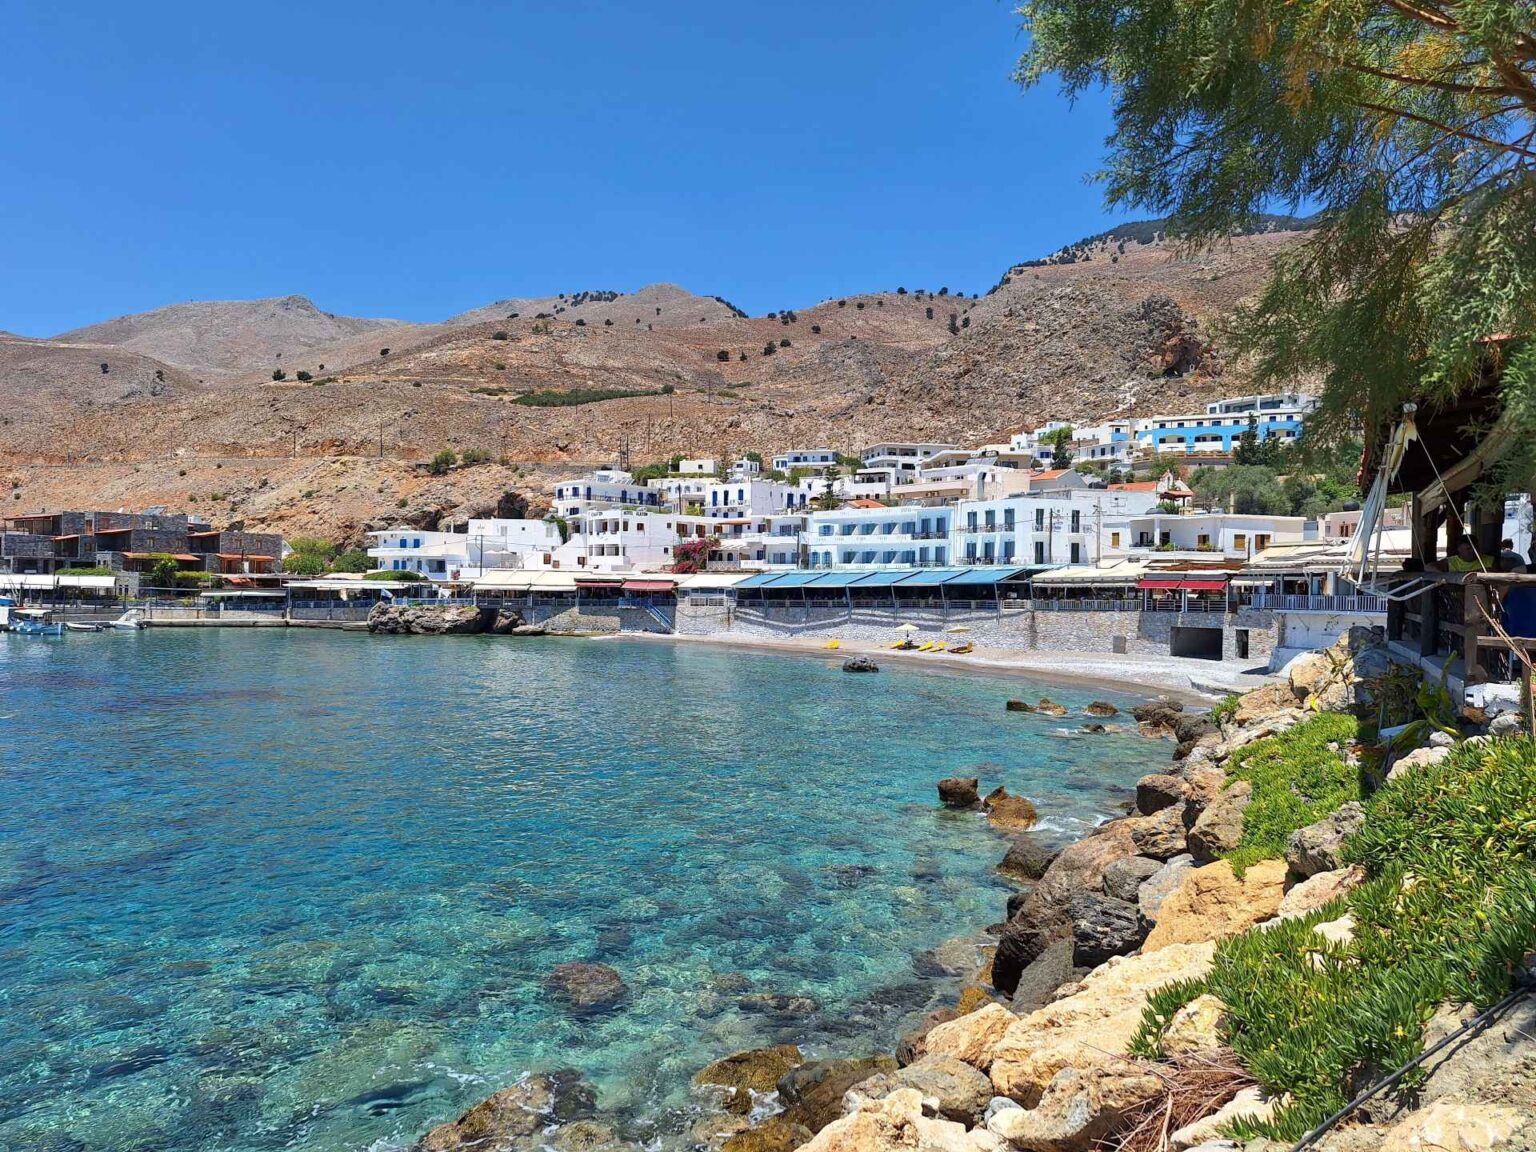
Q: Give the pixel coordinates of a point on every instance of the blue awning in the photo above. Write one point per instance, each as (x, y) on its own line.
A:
(762, 579)
(983, 576)
(796, 579)
(884, 578)
(932, 577)
(843, 579)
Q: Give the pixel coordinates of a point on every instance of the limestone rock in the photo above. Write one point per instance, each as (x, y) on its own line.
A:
(1319, 889)
(1162, 835)
(1264, 703)
(585, 988)
(1028, 857)
(1080, 1107)
(1049, 707)
(897, 1124)
(1318, 847)
(1196, 1027)
(1158, 717)
(914, 1045)
(813, 1093)
(1162, 884)
(960, 792)
(1418, 758)
(1101, 708)
(973, 1038)
(1102, 927)
(1080, 866)
(775, 1134)
(1009, 813)
(757, 1070)
(1093, 1024)
(1203, 780)
(951, 1089)
(1158, 791)
(503, 1122)
(1506, 724)
(860, 664)
(1019, 706)
(1213, 903)
(1452, 1126)
(392, 619)
(1219, 829)
(1123, 879)
(1043, 975)
(1249, 1104)
(1340, 933)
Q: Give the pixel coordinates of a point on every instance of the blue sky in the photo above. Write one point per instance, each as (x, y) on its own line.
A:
(414, 160)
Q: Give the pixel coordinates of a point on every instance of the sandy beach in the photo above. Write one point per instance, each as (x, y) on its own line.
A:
(1192, 680)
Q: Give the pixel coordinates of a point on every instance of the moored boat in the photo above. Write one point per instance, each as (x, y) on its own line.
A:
(35, 622)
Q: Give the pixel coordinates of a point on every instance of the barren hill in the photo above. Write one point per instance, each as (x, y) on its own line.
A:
(1113, 330)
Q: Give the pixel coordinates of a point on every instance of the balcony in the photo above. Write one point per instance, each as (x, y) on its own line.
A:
(1272, 601)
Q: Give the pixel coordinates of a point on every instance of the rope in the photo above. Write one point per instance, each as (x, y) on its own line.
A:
(1482, 1020)
(1456, 512)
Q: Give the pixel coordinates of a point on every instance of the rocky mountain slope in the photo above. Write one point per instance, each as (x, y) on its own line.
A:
(551, 385)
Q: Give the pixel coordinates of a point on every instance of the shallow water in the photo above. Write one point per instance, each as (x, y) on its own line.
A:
(270, 889)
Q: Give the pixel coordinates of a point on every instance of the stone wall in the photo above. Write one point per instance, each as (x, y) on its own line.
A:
(1131, 633)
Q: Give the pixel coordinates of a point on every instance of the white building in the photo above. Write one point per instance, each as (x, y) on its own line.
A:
(909, 535)
(810, 459)
(745, 468)
(620, 540)
(700, 467)
(449, 556)
(1232, 535)
(605, 488)
(897, 463)
(1068, 526)
(736, 498)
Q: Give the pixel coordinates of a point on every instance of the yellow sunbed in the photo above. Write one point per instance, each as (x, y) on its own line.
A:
(834, 644)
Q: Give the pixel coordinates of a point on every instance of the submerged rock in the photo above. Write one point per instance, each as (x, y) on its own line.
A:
(860, 664)
(503, 1122)
(1009, 813)
(1101, 708)
(1028, 857)
(586, 987)
(740, 1075)
(1019, 706)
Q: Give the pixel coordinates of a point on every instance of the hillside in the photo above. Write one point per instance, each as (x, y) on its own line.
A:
(552, 391)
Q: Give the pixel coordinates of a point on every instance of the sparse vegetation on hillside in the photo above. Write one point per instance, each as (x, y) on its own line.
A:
(549, 398)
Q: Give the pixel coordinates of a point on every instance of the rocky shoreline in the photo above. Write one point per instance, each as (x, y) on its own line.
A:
(1047, 1047)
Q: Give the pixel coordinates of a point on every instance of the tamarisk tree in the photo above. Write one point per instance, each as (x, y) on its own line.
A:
(1409, 125)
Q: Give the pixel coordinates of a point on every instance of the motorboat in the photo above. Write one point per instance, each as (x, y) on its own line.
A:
(130, 621)
(83, 626)
(35, 622)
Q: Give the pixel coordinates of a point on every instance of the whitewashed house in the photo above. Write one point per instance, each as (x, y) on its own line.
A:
(605, 488)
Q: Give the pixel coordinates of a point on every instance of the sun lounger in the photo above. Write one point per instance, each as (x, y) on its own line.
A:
(962, 649)
(834, 644)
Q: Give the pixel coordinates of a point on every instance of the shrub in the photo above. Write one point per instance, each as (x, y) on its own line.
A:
(352, 560)
(928, 312)
(859, 305)
(1297, 779)
(383, 351)
(107, 368)
(722, 355)
(816, 328)
(742, 357)
(396, 577)
(770, 348)
(305, 564)
(499, 334)
(472, 456)
(279, 374)
(1225, 710)
(443, 461)
(302, 376)
(783, 343)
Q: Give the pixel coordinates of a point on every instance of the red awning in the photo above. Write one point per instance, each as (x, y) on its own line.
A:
(649, 586)
(1177, 583)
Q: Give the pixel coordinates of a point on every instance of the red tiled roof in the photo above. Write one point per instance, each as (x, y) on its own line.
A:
(865, 502)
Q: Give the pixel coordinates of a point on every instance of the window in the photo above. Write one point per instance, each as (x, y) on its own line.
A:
(991, 521)
(1008, 519)
(1039, 552)
(1261, 541)
(1240, 542)
(1203, 540)
(1077, 520)
(970, 552)
(970, 521)
(1039, 519)
(1077, 553)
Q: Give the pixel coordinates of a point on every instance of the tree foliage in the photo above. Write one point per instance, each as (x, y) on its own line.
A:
(1411, 124)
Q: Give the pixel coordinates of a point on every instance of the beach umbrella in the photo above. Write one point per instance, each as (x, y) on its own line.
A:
(959, 628)
(906, 627)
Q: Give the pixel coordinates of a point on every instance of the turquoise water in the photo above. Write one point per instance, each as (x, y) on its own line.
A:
(269, 889)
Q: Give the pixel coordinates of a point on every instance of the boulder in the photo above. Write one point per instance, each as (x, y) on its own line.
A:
(1093, 1024)
(1212, 903)
(1158, 713)
(503, 1122)
(388, 618)
(1199, 1026)
(973, 1038)
(813, 1093)
(897, 1124)
(739, 1077)
(1102, 927)
(1249, 1104)
(1319, 847)
(960, 792)
(1319, 889)
(951, 1089)
(914, 1045)
(1009, 813)
(1264, 703)
(1418, 758)
(1019, 706)
(1203, 782)
(1079, 1108)
(775, 1134)
(1162, 884)
(1162, 835)
(1455, 1126)
(1036, 927)
(860, 664)
(1219, 828)
(1043, 975)
(574, 623)
(587, 1136)
(1049, 707)
(506, 621)
(1080, 867)
(1101, 708)
(1339, 933)
(1188, 727)
(1123, 879)
(1158, 791)
(585, 988)
(1093, 729)
(1028, 857)
(1506, 724)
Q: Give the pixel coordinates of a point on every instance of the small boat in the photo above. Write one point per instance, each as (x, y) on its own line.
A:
(83, 626)
(130, 621)
(35, 622)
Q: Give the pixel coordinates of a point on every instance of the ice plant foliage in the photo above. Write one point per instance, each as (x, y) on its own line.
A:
(1409, 124)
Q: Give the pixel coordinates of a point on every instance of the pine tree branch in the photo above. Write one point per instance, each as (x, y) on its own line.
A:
(1522, 94)
(1424, 15)
(1449, 129)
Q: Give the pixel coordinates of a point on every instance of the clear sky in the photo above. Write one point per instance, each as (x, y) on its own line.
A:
(415, 159)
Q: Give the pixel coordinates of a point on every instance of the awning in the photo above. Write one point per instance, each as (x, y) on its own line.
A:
(242, 556)
(983, 576)
(649, 586)
(699, 581)
(1178, 584)
(885, 578)
(1122, 575)
(761, 580)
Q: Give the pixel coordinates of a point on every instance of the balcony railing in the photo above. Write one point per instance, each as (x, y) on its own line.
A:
(1300, 603)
